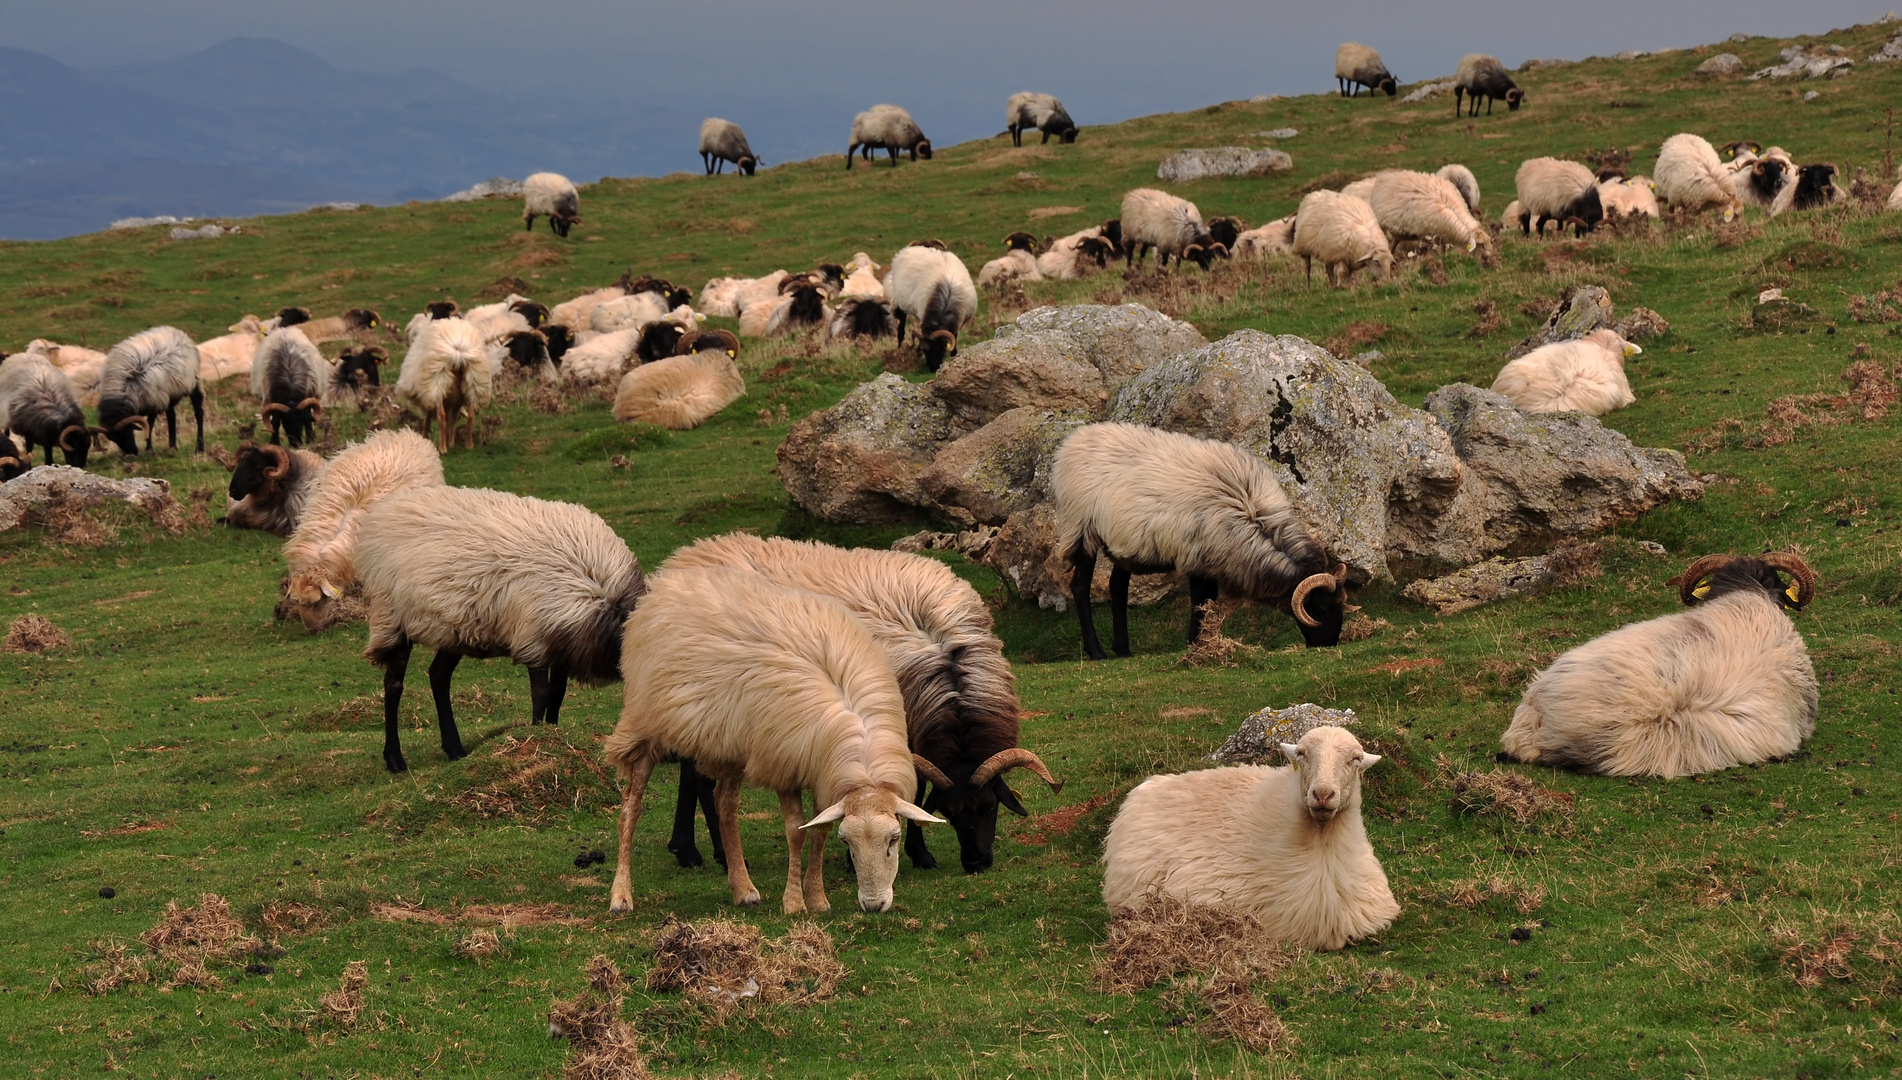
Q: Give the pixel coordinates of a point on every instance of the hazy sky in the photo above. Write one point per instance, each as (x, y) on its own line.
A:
(792, 73)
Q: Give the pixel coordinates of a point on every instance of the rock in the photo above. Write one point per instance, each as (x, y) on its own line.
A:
(1721, 64)
(1641, 324)
(203, 232)
(1044, 369)
(65, 486)
(1798, 62)
(487, 189)
(1200, 164)
(1000, 468)
(1579, 312)
(1553, 62)
(1632, 54)
(971, 543)
(1343, 449)
(1277, 133)
(1369, 358)
(1738, 39)
(1118, 341)
(858, 462)
(1429, 90)
(1811, 95)
(1481, 583)
(142, 222)
(1890, 52)
(1774, 311)
(1258, 741)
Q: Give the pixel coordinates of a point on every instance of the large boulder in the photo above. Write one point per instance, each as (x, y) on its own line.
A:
(1119, 341)
(1579, 312)
(858, 462)
(1024, 552)
(999, 469)
(62, 487)
(1200, 164)
(1045, 370)
(1721, 64)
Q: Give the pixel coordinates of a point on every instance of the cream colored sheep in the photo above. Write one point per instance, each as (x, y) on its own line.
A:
(1689, 175)
(1171, 225)
(550, 195)
(1633, 196)
(321, 553)
(1425, 207)
(446, 375)
(1266, 241)
(230, 354)
(861, 278)
(82, 365)
(680, 392)
(1356, 65)
(1548, 189)
(1586, 375)
(1341, 231)
(1462, 178)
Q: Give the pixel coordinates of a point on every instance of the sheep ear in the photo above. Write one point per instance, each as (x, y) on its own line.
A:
(1471, 243)
(907, 811)
(829, 815)
(1290, 749)
(331, 591)
(1632, 350)
(1367, 761)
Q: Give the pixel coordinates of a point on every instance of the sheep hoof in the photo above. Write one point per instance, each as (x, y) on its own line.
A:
(924, 860)
(687, 858)
(621, 905)
(395, 763)
(750, 898)
(792, 904)
(818, 905)
(455, 753)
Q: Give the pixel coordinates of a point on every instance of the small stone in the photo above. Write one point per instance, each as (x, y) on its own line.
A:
(1737, 38)
(1277, 133)
(108, 893)
(1811, 96)
(1200, 164)
(1842, 523)
(1652, 547)
(1632, 54)
(1536, 1010)
(1721, 64)
(1369, 358)
(1428, 91)
(1707, 810)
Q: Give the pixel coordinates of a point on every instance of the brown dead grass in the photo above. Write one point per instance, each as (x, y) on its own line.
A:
(343, 1006)
(1571, 561)
(724, 964)
(33, 634)
(1360, 628)
(1881, 306)
(113, 966)
(289, 917)
(1165, 937)
(1351, 337)
(207, 932)
(1211, 647)
(478, 944)
(1063, 820)
(1500, 792)
(545, 774)
(604, 1047)
(1870, 394)
(1495, 891)
(508, 917)
(67, 523)
(1864, 952)
(1489, 320)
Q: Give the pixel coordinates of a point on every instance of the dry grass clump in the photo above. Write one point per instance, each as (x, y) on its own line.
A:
(727, 962)
(1234, 1012)
(66, 522)
(290, 917)
(1869, 396)
(33, 634)
(1345, 344)
(205, 932)
(344, 1005)
(1360, 628)
(544, 772)
(604, 1046)
(1211, 648)
(1881, 306)
(1213, 955)
(1865, 952)
(1490, 321)
(1494, 891)
(478, 944)
(1571, 561)
(112, 966)
(1498, 791)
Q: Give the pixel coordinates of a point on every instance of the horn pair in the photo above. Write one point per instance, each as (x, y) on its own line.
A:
(1784, 561)
(1298, 602)
(1003, 761)
(315, 405)
(67, 432)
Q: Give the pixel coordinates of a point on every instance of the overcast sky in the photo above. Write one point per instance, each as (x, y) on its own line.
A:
(792, 72)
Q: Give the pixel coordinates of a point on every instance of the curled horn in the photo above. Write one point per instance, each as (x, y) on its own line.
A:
(275, 407)
(1687, 581)
(133, 421)
(9, 460)
(99, 436)
(279, 455)
(948, 336)
(1014, 758)
(1755, 147)
(1794, 566)
(1298, 602)
(931, 772)
(315, 405)
(67, 431)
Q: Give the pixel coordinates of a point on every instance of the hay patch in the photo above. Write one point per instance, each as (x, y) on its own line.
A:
(1064, 820)
(508, 917)
(1869, 395)
(111, 967)
(478, 944)
(205, 932)
(1500, 792)
(603, 1046)
(1360, 628)
(343, 1007)
(1211, 647)
(1234, 1012)
(724, 964)
(1863, 952)
(33, 634)
(543, 774)
(1492, 892)
(1165, 937)
(289, 917)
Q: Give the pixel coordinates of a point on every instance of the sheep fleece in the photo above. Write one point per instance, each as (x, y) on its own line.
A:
(321, 552)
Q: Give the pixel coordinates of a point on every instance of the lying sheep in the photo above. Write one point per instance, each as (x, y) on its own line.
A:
(726, 297)
(149, 373)
(1426, 207)
(577, 313)
(1027, 111)
(1895, 197)
(553, 196)
(497, 321)
(82, 365)
(1813, 188)
(321, 553)
(1285, 845)
(604, 358)
(1267, 241)
(1630, 197)
(357, 370)
(1554, 190)
(1341, 231)
(1586, 375)
(889, 128)
(1019, 262)
(722, 141)
(289, 375)
(862, 317)
(269, 487)
(1151, 500)
(802, 305)
(1484, 76)
(1690, 176)
(1462, 178)
(39, 405)
(231, 353)
(1759, 177)
(934, 287)
(862, 278)
(1077, 255)
(680, 392)
(446, 375)
(1356, 65)
(1725, 683)
(330, 328)
(1171, 225)
(630, 312)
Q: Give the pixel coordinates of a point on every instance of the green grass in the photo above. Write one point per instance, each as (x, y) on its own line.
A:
(185, 744)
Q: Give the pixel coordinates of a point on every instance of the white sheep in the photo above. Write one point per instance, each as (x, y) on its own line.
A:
(1286, 845)
(1586, 375)
(728, 296)
(1462, 178)
(231, 353)
(1484, 76)
(144, 375)
(722, 141)
(1267, 241)
(1171, 225)
(1554, 190)
(889, 128)
(801, 305)
(330, 328)
(1077, 255)
(288, 375)
(1689, 175)
(1028, 111)
(1341, 231)
(680, 392)
(861, 278)
(1426, 207)
(553, 196)
(603, 358)
(446, 375)
(1631, 196)
(577, 314)
(1513, 216)
(270, 487)
(1019, 262)
(1356, 65)
(1759, 177)
(933, 287)
(1895, 197)
(1726, 683)
(629, 312)
(1361, 188)
(321, 553)
(82, 365)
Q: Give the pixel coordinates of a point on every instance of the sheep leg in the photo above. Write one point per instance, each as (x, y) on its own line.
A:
(528, 223)
(444, 436)
(850, 153)
(1119, 610)
(1082, 573)
(395, 666)
(537, 694)
(921, 857)
(440, 671)
(469, 440)
(621, 897)
(273, 429)
(815, 883)
(793, 900)
(557, 692)
(726, 798)
(685, 852)
(710, 809)
(1201, 591)
(901, 326)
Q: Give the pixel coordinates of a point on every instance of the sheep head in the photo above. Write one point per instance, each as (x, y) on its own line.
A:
(1515, 97)
(1712, 576)
(74, 450)
(922, 150)
(1068, 136)
(1020, 241)
(1330, 761)
(747, 163)
(1388, 86)
(258, 471)
(968, 792)
(869, 819)
(938, 345)
(1319, 606)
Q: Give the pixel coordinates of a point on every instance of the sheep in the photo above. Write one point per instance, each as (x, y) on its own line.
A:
(269, 487)
(576, 313)
(1513, 216)
(934, 287)
(726, 297)
(472, 572)
(229, 354)
(862, 278)
(1356, 65)
(961, 708)
(1758, 180)
(781, 687)
(1226, 230)
(1895, 197)
(517, 315)
(1427, 207)
(1586, 375)
(1633, 196)
(432, 313)
(332, 328)
(15, 461)
(1267, 241)
(1019, 261)
(1554, 190)
(1484, 76)
(288, 375)
(722, 141)
(1342, 231)
(1725, 683)
(1813, 188)
(82, 365)
(658, 341)
(145, 374)
(602, 359)
(1462, 178)
(674, 296)
(802, 305)
(321, 553)
(1286, 845)
(1361, 188)
(680, 392)
(553, 196)
(529, 350)
(1151, 500)
(1076, 255)
(357, 370)
(628, 312)
(39, 406)
(862, 317)
(1028, 111)
(1690, 176)
(890, 128)
(446, 374)
(1171, 225)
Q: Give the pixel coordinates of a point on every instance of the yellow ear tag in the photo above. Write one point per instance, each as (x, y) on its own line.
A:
(1792, 592)
(1701, 591)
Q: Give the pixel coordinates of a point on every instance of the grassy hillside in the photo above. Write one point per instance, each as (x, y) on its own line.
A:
(1740, 924)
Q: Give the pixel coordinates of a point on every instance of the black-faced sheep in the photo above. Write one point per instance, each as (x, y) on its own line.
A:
(800, 305)
(1689, 175)
(39, 405)
(889, 128)
(288, 375)
(933, 287)
(1814, 187)
(722, 141)
(1151, 501)
(144, 375)
(1171, 225)
(1484, 76)
(269, 487)
(1763, 175)
(1019, 262)
(553, 196)
(1027, 111)
(1341, 231)
(1356, 65)
(1586, 375)
(1554, 190)
(1076, 255)
(357, 370)
(446, 375)
(321, 554)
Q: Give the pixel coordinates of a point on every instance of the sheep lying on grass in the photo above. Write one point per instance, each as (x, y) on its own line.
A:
(681, 392)
(269, 488)
(1586, 375)
(1689, 175)
(1019, 262)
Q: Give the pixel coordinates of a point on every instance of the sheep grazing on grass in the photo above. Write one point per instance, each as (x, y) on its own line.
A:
(553, 196)
(1689, 175)
(446, 375)
(1586, 375)
(289, 375)
(961, 708)
(680, 392)
(779, 687)
(231, 353)
(357, 370)
(144, 375)
(481, 573)
(40, 407)
(1341, 231)
(1554, 190)
(14, 458)
(82, 365)
(1462, 178)
(722, 141)
(1726, 683)
(269, 487)
(1286, 845)
(862, 317)
(1151, 500)
(1629, 197)
(1482, 76)
(1425, 207)
(1226, 230)
(933, 287)
(1356, 65)
(1027, 111)
(1019, 262)
(321, 554)
(889, 128)
(1267, 241)
(1814, 187)
(1171, 225)
(1077, 255)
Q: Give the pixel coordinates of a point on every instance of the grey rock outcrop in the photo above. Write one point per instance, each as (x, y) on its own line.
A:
(1721, 64)
(1258, 741)
(1579, 312)
(1798, 61)
(1428, 91)
(1119, 341)
(859, 461)
(999, 469)
(65, 486)
(1200, 164)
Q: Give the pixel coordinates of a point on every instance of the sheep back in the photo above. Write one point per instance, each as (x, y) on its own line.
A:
(321, 552)
(287, 368)
(723, 139)
(1546, 186)
(925, 281)
(1586, 375)
(447, 368)
(1421, 205)
(886, 126)
(1357, 63)
(1462, 178)
(151, 369)
(1690, 175)
(38, 399)
(1163, 221)
(550, 195)
(679, 392)
(1340, 230)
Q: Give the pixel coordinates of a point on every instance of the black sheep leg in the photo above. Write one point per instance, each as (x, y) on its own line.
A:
(537, 694)
(1082, 573)
(686, 853)
(557, 690)
(1201, 591)
(198, 415)
(171, 425)
(1119, 610)
(395, 666)
(921, 856)
(441, 669)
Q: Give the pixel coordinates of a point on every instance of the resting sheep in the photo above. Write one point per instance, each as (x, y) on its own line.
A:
(1356, 65)
(1484, 76)
(1759, 177)
(357, 370)
(321, 553)
(862, 278)
(680, 392)
(1285, 845)
(1341, 231)
(1077, 255)
(933, 287)
(330, 328)
(1813, 188)
(603, 358)
(1027, 111)
(1586, 375)
(144, 375)
(1426, 207)
(1266, 241)
(801, 305)
(862, 317)
(1895, 197)
(1554, 190)
(39, 405)
(553, 196)
(722, 141)
(1171, 225)
(890, 128)
(288, 375)
(82, 365)
(1019, 261)
(1690, 176)
(1725, 683)
(230, 353)
(269, 487)
(446, 375)
(1628, 197)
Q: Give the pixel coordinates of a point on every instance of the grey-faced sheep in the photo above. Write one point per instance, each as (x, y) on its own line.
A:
(1019, 262)
(480, 573)
(1586, 375)
(1462, 178)
(288, 375)
(1171, 225)
(446, 375)
(39, 405)
(321, 553)
(144, 375)
(680, 392)
(889, 128)
(722, 141)
(1152, 501)
(1341, 231)
(1689, 175)
(1425, 207)
(1027, 111)
(1286, 845)
(779, 687)
(1356, 65)
(231, 353)
(269, 487)
(933, 287)
(1726, 683)
(1482, 76)
(1555, 190)
(1814, 187)
(1266, 241)
(553, 196)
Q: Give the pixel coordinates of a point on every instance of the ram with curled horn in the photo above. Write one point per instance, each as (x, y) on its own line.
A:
(269, 487)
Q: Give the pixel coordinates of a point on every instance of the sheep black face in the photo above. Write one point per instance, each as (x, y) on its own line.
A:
(1713, 576)
(560, 340)
(1515, 97)
(1224, 230)
(1766, 178)
(938, 345)
(657, 341)
(11, 464)
(747, 164)
(1319, 605)
(1097, 250)
(1068, 136)
(1584, 213)
(1814, 187)
(75, 442)
(292, 316)
(297, 423)
(361, 319)
(258, 470)
(967, 794)
(922, 150)
(528, 348)
(1020, 241)
(1113, 230)
(532, 313)
(1203, 255)
(1388, 86)
(357, 369)
(832, 276)
(122, 425)
(678, 297)
(441, 309)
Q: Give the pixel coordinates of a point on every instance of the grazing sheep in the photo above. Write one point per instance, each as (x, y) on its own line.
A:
(1356, 65)
(1151, 500)
(1425, 207)
(471, 572)
(1813, 188)
(680, 392)
(1586, 375)
(961, 708)
(1513, 216)
(321, 554)
(446, 375)
(1342, 231)
(1018, 261)
(722, 141)
(1554, 190)
(144, 375)
(39, 406)
(1077, 255)
(1028, 111)
(269, 487)
(779, 687)
(1266, 241)
(1226, 230)
(357, 370)
(1689, 175)
(890, 128)
(1286, 845)
(1726, 683)
(230, 353)
(934, 287)
(1484, 76)
(14, 459)
(1633, 196)
(862, 317)
(1171, 225)
(82, 365)
(1462, 178)
(288, 375)
(552, 196)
